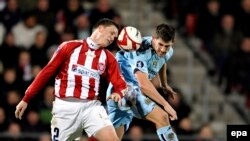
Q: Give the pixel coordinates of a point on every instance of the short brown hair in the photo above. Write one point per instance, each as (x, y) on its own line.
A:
(165, 32)
(105, 22)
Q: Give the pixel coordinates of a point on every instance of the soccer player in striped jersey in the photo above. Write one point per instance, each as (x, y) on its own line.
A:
(145, 70)
(79, 65)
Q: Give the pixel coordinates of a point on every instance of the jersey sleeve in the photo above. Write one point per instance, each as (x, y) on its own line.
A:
(138, 62)
(115, 77)
(46, 73)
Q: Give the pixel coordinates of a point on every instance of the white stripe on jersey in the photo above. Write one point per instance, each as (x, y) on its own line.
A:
(57, 87)
(85, 80)
(102, 60)
(71, 77)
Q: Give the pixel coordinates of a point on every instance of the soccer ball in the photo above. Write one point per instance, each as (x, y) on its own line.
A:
(129, 39)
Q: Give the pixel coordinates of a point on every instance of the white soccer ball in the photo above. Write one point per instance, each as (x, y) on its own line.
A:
(129, 39)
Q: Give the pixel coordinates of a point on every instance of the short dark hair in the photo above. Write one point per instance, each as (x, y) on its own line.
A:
(165, 32)
(105, 22)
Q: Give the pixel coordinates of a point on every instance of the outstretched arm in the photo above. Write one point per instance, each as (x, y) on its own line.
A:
(149, 90)
(41, 79)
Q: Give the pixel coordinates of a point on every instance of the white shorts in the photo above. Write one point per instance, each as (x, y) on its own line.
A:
(72, 116)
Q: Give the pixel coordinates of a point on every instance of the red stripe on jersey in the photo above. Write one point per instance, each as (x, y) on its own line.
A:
(78, 79)
(78, 85)
(91, 88)
(92, 81)
(64, 83)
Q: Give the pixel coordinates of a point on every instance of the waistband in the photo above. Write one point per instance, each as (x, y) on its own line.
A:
(72, 99)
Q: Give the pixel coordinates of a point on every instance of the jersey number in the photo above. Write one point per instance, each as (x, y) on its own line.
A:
(56, 134)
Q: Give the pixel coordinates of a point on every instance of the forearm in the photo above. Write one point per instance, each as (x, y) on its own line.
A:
(149, 90)
(163, 75)
(156, 81)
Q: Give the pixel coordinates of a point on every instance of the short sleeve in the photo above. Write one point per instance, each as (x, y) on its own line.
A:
(139, 62)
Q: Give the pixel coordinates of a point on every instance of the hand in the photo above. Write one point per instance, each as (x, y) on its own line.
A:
(20, 108)
(169, 91)
(171, 112)
(115, 97)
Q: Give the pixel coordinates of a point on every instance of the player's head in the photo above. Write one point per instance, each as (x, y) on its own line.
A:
(163, 39)
(104, 32)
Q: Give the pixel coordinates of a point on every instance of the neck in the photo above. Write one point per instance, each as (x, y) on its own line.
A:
(92, 44)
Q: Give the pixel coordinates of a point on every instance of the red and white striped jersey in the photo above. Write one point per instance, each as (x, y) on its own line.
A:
(78, 70)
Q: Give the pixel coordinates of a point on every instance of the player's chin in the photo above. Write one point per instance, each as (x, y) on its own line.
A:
(108, 43)
(105, 45)
(161, 54)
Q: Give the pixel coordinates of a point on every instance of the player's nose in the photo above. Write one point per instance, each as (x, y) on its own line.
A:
(163, 50)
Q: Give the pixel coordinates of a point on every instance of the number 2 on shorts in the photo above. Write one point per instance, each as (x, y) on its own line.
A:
(56, 134)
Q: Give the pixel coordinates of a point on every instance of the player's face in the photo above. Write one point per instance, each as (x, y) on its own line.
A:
(108, 35)
(161, 47)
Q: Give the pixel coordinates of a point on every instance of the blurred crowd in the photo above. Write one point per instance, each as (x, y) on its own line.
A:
(222, 27)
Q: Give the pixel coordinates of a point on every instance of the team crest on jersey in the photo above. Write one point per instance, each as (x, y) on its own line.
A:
(154, 63)
(139, 64)
(74, 68)
(101, 67)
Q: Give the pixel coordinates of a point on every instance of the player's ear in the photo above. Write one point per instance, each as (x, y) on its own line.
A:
(101, 28)
(153, 39)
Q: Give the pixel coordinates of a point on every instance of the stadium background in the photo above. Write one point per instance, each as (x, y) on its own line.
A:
(209, 69)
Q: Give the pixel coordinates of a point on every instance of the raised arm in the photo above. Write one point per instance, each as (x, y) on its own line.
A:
(149, 90)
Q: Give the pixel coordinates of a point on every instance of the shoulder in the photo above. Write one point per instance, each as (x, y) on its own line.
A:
(169, 54)
(109, 55)
(70, 45)
(67, 47)
(147, 40)
(73, 43)
(171, 50)
(146, 44)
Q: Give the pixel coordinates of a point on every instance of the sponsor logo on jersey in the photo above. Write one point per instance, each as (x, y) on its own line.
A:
(81, 70)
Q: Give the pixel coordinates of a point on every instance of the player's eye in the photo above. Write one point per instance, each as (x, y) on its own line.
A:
(112, 33)
(160, 44)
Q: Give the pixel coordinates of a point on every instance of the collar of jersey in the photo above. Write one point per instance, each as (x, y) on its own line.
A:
(92, 44)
